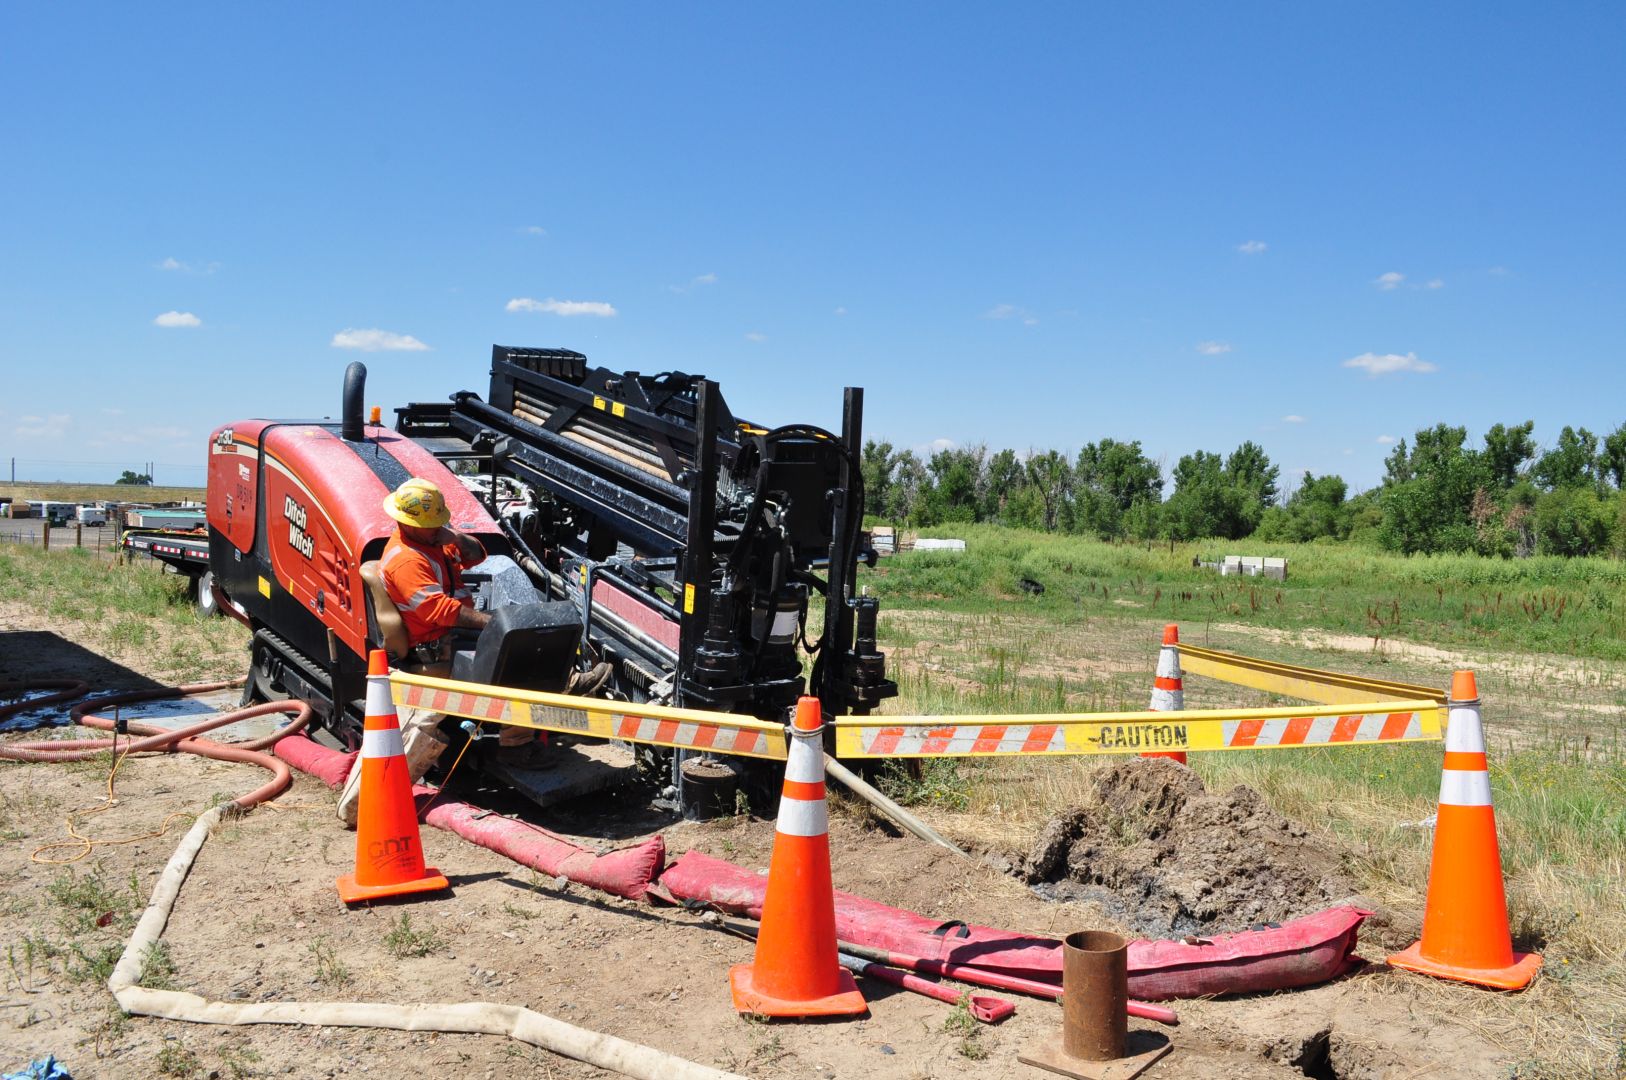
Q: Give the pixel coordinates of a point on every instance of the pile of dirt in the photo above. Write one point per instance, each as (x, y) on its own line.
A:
(1166, 856)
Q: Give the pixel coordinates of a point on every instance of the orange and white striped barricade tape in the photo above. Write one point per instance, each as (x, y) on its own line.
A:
(685, 729)
(1132, 733)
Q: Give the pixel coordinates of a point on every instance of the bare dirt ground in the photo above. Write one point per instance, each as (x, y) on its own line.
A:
(259, 920)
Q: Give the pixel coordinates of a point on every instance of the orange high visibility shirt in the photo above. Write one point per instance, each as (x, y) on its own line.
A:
(426, 583)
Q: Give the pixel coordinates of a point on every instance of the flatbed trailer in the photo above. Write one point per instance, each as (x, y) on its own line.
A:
(184, 553)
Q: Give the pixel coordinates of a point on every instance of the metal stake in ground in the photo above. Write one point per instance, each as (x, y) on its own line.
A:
(1095, 1042)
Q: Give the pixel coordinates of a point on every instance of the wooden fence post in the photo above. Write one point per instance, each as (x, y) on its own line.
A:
(45, 534)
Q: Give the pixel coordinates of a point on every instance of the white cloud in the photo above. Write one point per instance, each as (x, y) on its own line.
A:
(841, 311)
(533, 230)
(566, 308)
(1390, 281)
(1347, 451)
(376, 341)
(937, 445)
(174, 265)
(753, 336)
(1386, 440)
(1252, 247)
(694, 283)
(1375, 364)
(172, 319)
(1292, 418)
(1011, 311)
(1498, 271)
(53, 426)
(1213, 348)
(1434, 283)
(110, 411)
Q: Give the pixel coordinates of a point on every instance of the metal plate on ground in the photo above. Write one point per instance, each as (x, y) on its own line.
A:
(1141, 1049)
(567, 771)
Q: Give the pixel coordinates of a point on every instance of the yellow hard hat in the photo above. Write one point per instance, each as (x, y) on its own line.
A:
(417, 502)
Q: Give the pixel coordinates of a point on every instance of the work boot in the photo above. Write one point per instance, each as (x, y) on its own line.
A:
(590, 682)
(421, 743)
(520, 748)
(350, 794)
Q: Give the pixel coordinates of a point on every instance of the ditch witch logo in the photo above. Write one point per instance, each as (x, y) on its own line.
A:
(400, 850)
(1140, 737)
(297, 516)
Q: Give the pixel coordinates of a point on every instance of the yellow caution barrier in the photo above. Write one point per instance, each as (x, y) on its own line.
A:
(688, 729)
(1352, 711)
(1368, 723)
(1291, 680)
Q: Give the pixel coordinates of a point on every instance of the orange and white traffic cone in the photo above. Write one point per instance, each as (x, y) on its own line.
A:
(1465, 931)
(389, 851)
(1168, 688)
(796, 971)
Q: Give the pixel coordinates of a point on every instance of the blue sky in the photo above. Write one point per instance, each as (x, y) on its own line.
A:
(1314, 226)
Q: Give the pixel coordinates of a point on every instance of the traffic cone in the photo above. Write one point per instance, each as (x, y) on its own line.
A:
(1168, 689)
(796, 971)
(1465, 932)
(389, 853)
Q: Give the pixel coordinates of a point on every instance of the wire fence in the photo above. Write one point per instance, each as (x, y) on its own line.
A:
(97, 538)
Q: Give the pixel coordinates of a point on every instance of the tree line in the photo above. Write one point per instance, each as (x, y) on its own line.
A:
(1440, 493)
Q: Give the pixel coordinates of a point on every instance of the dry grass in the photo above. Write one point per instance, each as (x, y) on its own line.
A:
(84, 493)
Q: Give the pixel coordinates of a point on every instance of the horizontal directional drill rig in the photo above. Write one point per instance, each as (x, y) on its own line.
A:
(630, 519)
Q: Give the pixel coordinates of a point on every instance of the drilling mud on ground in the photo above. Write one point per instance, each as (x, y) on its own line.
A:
(1163, 854)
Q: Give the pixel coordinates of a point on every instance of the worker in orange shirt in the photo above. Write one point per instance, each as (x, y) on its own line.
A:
(422, 567)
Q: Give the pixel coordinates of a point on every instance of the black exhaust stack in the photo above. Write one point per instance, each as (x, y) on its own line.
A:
(355, 389)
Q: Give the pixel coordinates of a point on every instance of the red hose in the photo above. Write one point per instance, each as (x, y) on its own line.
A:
(999, 981)
(157, 739)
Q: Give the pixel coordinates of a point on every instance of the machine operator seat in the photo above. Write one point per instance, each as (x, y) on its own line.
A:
(387, 628)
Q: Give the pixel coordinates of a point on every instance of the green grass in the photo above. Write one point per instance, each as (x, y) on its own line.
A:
(1545, 604)
(131, 609)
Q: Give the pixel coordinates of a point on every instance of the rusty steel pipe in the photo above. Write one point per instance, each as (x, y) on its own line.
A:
(1095, 991)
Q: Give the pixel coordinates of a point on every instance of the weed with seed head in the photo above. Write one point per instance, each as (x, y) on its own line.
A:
(157, 967)
(403, 941)
(85, 901)
(93, 963)
(510, 908)
(330, 970)
(177, 1061)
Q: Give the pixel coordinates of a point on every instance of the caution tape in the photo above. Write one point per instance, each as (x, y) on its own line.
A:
(1291, 680)
(688, 729)
(1132, 733)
